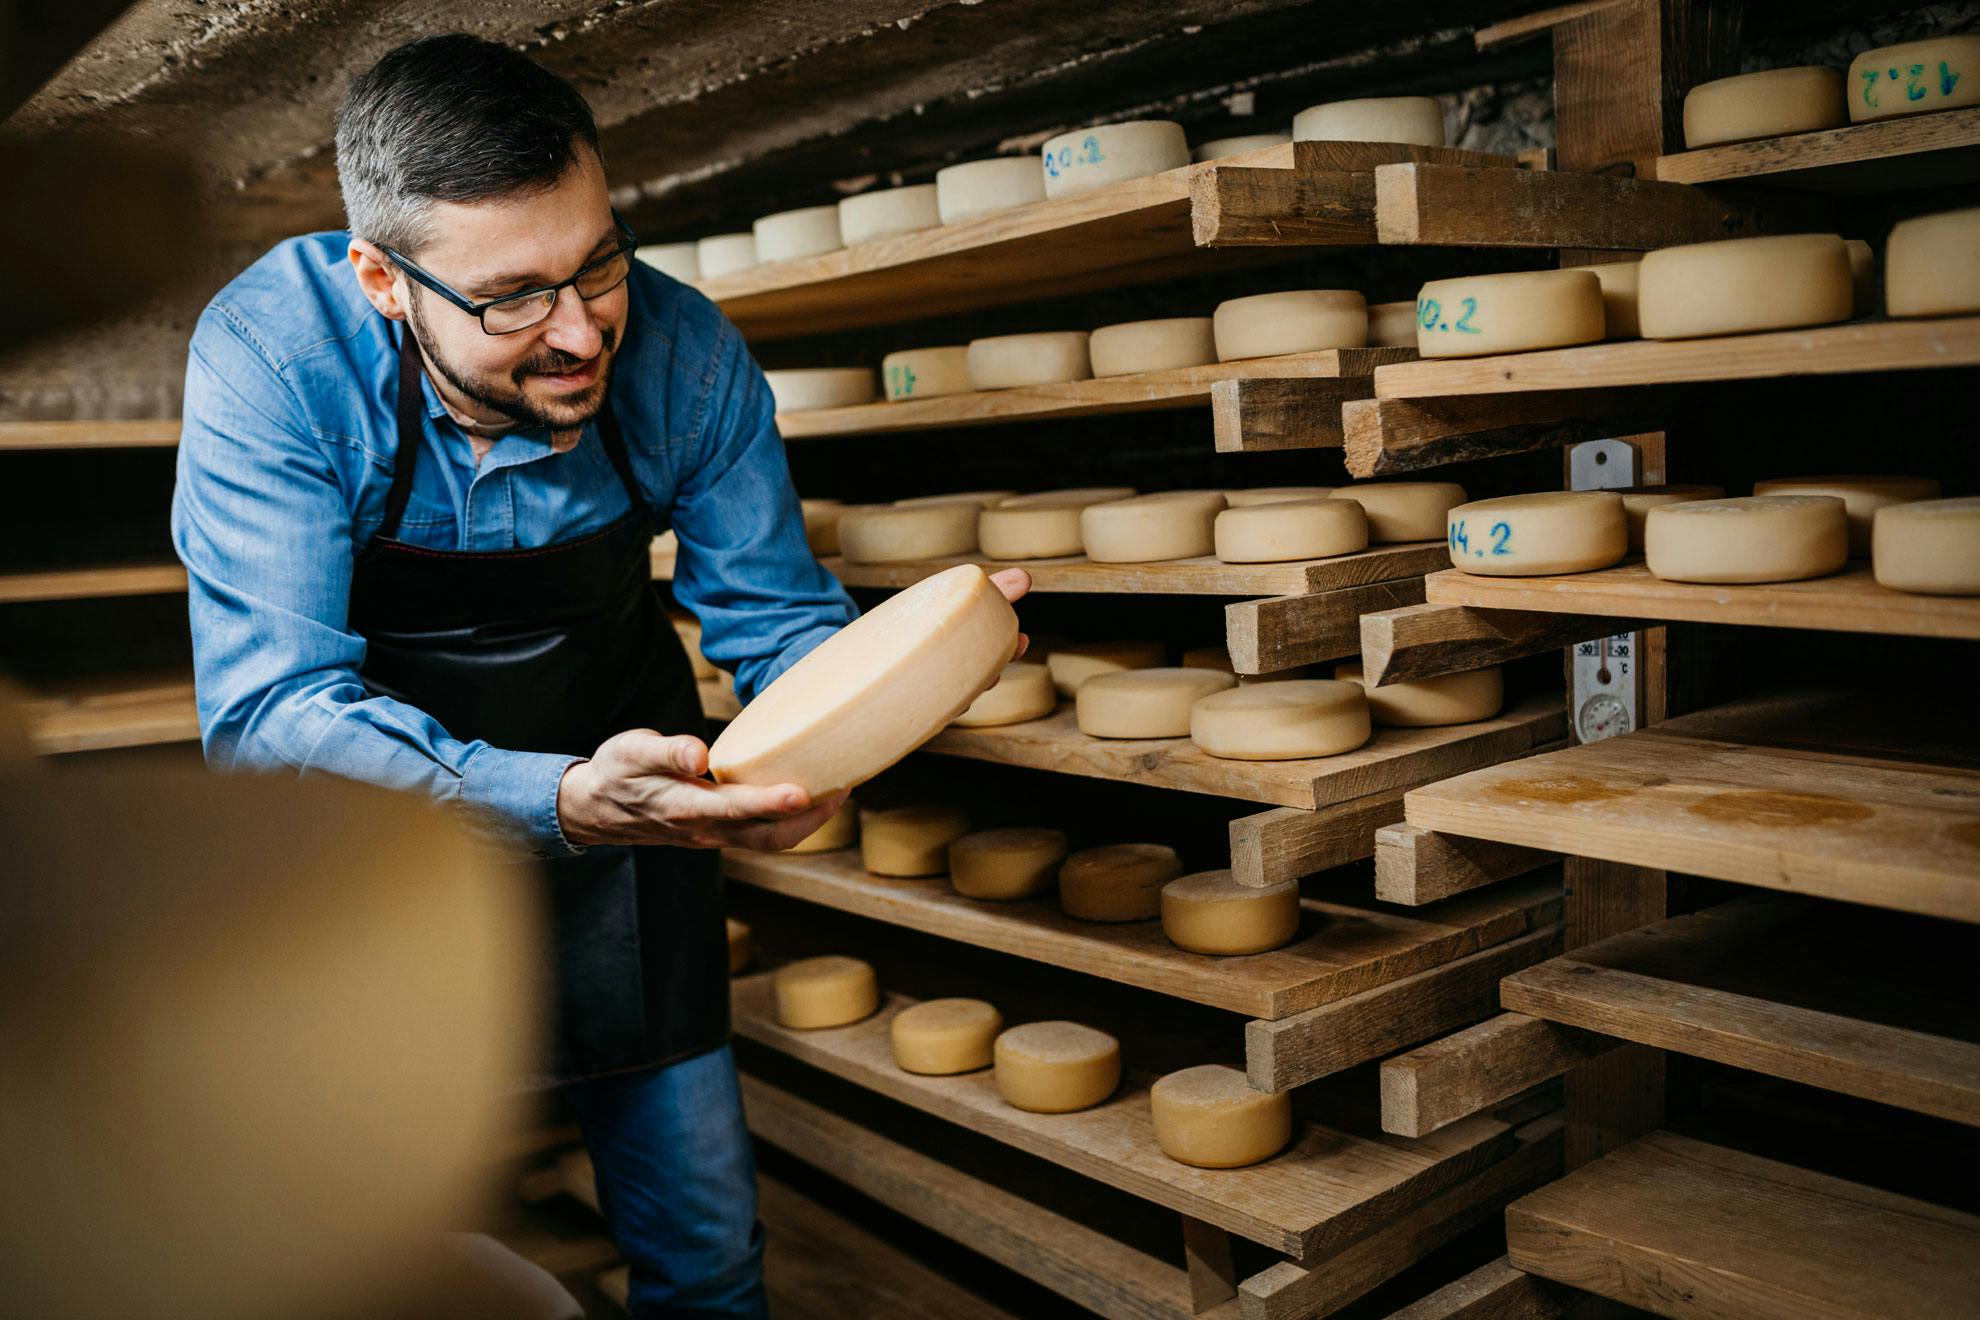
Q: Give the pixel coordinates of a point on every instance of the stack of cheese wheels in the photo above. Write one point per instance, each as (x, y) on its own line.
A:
(829, 991)
(1403, 510)
(1145, 703)
(1763, 538)
(1218, 148)
(979, 499)
(840, 831)
(1938, 73)
(1120, 882)
(1931, 547)
(805, 232)
(1862, 277)
(887, 212)
(1296, 321)
(1164, 345)
(893, 534)
(1639, 500)
(1056, 1067)
(1771, 103)
(1072, 665)
(1022, 692)
(1173, 524)
(1210, 912)
(1094, 157)
(1742, 285)
(875, 690)
(1290, 529)
(1862, 496)
(1004, 362)
(1392, 324)
(1929, 268)
(688, 629)
(802, 389)
(675, 259)
(1619, 281)
(741, 950)
(1288, 721)
(1036, 528)
(1549, 531)
(1514, 312)
(910, 841)
(984, 187)
(926, 373)
(942, 1037)
(1412, 119)
(1006, 864)
(724, 254)
(1245, 497)
(1427, 703)
(1210, 1117)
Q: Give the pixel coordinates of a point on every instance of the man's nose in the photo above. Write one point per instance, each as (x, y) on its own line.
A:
(569, 327)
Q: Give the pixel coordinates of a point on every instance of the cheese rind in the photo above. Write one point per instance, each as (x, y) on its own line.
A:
(1513, 312)
(981, 499)
(1294, 321)
(1145, 703)
(1007, 864)
(1022, 692)
(741, 950)
(1210, 1117)
(1072, 665)
(804, 232)
(1245, 497)
(984, 187)
(1079, 495)
(1294, 529)
(1218, 148)
(1531, 535)
(1931, 547)
(1131, 347)
(1929, 264)
(1090, 158)
(1413, 119)
(1119, 882)
(1211, 913)
(1392, 324)
(1030, 531)
(893, 534)
(802, 389)
(1403, 510)
(887, 212)
(1056, 1067)
(840, 830)
(1177, 524)
(910, 841)
(1744, 285)
(1003, 362)
(1862, 496)
(942, 1037)
(1425, 703)
(725, 254)
(675, 259)
(1287, 721)
(1770, 103)
(1619, 281)
(926, 373)
(1639, 500)
(1915, 77)
(1764, 538)
(828, 991)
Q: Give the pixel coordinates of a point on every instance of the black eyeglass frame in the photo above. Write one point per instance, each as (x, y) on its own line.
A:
(479, 310)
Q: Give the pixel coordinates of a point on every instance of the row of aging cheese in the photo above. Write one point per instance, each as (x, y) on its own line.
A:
(1912, 78)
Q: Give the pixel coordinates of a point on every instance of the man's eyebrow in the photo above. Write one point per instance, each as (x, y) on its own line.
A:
(532, 279)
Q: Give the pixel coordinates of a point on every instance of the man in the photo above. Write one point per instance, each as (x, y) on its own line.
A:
(421, 467)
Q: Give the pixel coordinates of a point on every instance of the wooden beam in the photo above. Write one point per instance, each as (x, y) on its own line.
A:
(1414, 866)
(1236, 206)
(159, 433)
(1255, 416)
(1282, 632)
(1437, 1083)
(1287, 843)
(1531, 27)
(1425, 641)
(1493, 1291)
(1213, 1278)
(1381, 437)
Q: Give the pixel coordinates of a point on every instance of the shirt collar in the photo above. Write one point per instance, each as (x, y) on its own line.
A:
(525, 444)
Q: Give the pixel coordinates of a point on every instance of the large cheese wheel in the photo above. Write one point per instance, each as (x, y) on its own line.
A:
(1164, 345)
(1144, 703)
(802, 389)
(1088, 158)
(1762, 538)
(984, 187)
(1120, 882)
(1619, 281)
(1288, 721)
(1861, 496)
(1056, 1067)
(1247, 496)
(1023, 692)
(1006, 864)
(1931, 547)
(805, 232)
(840, 830)
(1771, 103)
(886, 212)
(1218, 148)
(1742, 285)
(1209, 1116)
(741, 950)
(675, 259)
(1424, 703)
(1003, 362)
(725, 254)
(875, 690)
(1173, 524)
(1413, 119)
(1210, 912)
(1549, 531)
(1292, 529)
(1295, 321)
(1513, 312)
(1392, 324)
(1403, 510)
(910, 841)
(892, 534)
(1938, 73)
(926, 373)
(1929, 264)
(828, 991)
(1862, 277)
(980, 499)
(1639, 500)
(942, 1037)
(1030, 531)
(1079, 495)
(1072, 665)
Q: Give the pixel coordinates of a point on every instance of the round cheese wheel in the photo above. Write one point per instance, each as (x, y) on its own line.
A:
(1168, 525)
(1514, 312)
(1861, 496)
(1209, 1116)
(926, 373)
(1403, 510)
(725, 254)
(1639, 500)
(1414, 119)
(1030, 531)
(1023, 692)
(1619, 281)
(1427, 703)
(910, 841)
(805, 232)
(675, 259)
(1164, 345)
(1762, 538)
(1072, 665)
(1862, 277)
(980, 499)
(1245, 498)
(740, 948)
(841, 830)
(1077, 495)
(1288, 721)
(1392, 324)
(1548, 531)
(875, 690)
(802, 389)
(1929, 267)
(1088, 158)
(1293, 529)
(688, 629)
(1931, 547)
(1742, 285)
(1938, 73)
(1004, 362)
(1120, 882)
(1218, 148)
(1056, 1067)
(1144, 703)
(1296, 321)
(829, 991)
(984, 187)
(1006, 864)
(942, 1037)
(886, 212)
(1771, 103)
(1210, 912)
(893, 535)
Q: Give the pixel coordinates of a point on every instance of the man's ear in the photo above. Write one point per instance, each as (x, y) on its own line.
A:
(378, 277)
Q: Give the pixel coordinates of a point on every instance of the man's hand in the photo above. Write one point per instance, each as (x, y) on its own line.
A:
(1014, 583)
(643, 787)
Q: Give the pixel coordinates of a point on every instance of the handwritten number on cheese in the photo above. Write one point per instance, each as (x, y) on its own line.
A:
(1464, 322)
(1502, 542)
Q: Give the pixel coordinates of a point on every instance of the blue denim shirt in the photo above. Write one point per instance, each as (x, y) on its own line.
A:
(284, 464)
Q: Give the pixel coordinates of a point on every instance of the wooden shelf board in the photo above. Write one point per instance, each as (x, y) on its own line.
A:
(92, 583)
(159, 433)
(1936, 149)
(101, 714)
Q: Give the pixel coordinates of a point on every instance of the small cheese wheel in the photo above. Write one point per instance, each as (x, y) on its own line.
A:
(1288, 721)
(1218, 148)
(1007, 864)
(1296, 321)
(1079, 495)
(1938, 73)
(1428, 703)
(1762, 538)
(1514, 312)
(1291, 529)
(1413, 119)
(981, 499)
(1023, 692)
(725, 254)
(891, 534)
(1168, 525)
(1742, 285)
(1210, 912)
(1929, 264)
(675, 259)
(1639, 500)
(1030, 531)
(802, 389)
(942, 1037)
(1548, 531)
(910, 841)
(1072, 665)
(1392, 324)
(1210, 1117)
(821, 525)
(1245, 498)
(1861, 496)
(926, 373)
(1931, 547)
(1771, 103)
(741, 950)
(1003, 362)
(804, 232)
(984, 187)
(688, 629)
(841, 830)
(1164, 345)
(829, 991)
(1403, 510)
(1120, 882)
(1088, 158)
(1619, 281)
(1144, 703)
(1056, 1067)
(886, 212)
(1862, 277)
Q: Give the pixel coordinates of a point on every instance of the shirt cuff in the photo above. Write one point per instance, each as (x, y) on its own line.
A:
(515, 796)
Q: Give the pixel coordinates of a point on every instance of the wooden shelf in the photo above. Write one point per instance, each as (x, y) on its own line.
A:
(107, 713)
(160, 433)
(92, 583)
(1935, 150)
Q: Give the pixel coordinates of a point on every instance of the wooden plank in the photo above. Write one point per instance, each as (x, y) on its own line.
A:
(1533, 26)
(1686, 1229)
(1438, 1083)
(1203, 576)
(1257, 416)
(1207, 1258)
(147, 433)
(1415, 866)
(1282, 632)
(1237, 205)
(101, 714)
(1286, 843)
(1856, 158)
(1493, 1291)
(1425, 641)
(1381, 437)
(92, 583)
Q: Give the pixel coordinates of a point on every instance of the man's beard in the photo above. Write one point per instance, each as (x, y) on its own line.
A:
(508, 399)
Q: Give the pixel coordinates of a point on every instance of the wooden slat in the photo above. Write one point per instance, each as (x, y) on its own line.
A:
(1240, 206)
(1381, 437)
(1283, 632)
(1531, 27)
(1267, 416)
(1212, 1272)
(149, 433)
(101, 714)
(1493, 1291)
(1287, 843)
(1415, 865)
(1939, 149)
(92, 583)
(1438, 1083)
(1425, 641)
(1204, 576)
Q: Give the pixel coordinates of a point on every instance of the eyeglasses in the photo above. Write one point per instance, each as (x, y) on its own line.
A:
(519, 311)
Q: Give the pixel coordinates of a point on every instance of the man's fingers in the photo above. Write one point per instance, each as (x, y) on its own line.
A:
(1024, 644)
(753, 802)
(663, 754)
(1013, 582)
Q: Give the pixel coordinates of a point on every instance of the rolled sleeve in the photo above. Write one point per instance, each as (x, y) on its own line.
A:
(515, 793)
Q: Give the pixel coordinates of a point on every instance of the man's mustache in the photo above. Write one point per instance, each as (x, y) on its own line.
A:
(556, 362)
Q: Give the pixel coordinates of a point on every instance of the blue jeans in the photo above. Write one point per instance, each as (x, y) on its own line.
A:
(677, 1183)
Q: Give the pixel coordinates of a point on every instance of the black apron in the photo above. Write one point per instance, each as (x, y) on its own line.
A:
(556, 649)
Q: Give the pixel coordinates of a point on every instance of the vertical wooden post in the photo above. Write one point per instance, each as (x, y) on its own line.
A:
(1212, 1275)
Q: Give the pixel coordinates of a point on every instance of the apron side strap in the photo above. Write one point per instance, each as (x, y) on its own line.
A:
(411, 433)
